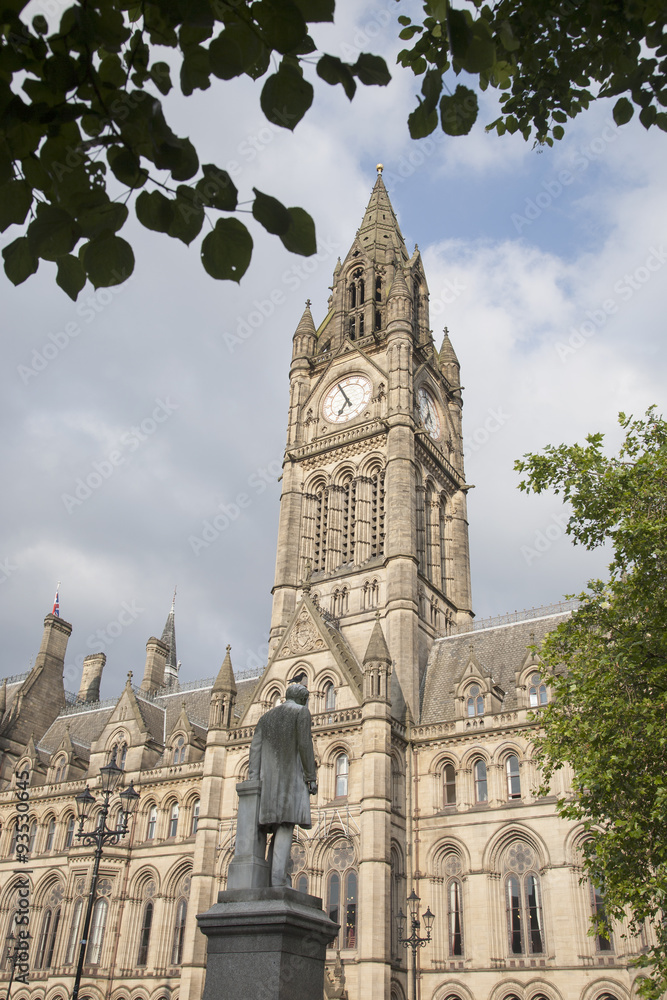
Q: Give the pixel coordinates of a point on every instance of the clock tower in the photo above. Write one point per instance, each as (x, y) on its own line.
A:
(373, 521)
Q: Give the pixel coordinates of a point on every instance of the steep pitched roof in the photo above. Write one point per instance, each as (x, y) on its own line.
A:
(377, 650)
(499, 651)
(225, 681)
(379, 236)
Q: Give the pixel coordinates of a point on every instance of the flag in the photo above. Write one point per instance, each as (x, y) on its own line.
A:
(56, 604)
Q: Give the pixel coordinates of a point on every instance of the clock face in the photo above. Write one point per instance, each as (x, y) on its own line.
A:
(347, 398)
(428, 413)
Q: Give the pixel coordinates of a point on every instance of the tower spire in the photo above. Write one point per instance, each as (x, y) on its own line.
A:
(169, 639)
(379, 236)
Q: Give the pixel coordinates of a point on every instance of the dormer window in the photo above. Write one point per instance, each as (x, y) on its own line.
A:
(537, 691)
(61, 768)
(179, 750)
(475, 701)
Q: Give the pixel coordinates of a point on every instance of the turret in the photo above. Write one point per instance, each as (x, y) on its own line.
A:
(449, 363)
(305, 337)
(223, 696)
(399, 300)
(377, 666)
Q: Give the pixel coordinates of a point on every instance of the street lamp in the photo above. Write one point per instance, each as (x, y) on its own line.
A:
(17, 942)
(414, 941)
(101, 835)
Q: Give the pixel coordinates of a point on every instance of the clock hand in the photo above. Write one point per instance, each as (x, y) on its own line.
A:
(346, 403)
(342, 392)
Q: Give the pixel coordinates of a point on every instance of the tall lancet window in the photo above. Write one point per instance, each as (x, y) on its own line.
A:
(347, 540)
(377, 513)
(320, 548)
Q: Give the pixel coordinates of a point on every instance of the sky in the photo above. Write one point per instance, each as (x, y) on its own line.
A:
(169, 393)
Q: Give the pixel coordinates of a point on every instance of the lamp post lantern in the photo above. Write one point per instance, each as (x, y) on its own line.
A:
(414, 941)
(101, 835)
(15, 944)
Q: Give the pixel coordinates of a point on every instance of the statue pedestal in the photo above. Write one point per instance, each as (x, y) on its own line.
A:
(266, 943)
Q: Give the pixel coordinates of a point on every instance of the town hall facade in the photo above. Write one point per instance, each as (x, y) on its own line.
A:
(422, 716)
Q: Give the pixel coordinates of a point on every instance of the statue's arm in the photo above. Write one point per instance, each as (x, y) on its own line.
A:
(306, 751)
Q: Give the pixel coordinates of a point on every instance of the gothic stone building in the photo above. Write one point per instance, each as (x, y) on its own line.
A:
(421, 718)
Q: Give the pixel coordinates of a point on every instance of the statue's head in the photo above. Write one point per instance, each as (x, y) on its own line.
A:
(298, 693)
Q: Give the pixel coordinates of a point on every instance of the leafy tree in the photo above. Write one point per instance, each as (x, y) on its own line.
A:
(609, 662)
(83, 128)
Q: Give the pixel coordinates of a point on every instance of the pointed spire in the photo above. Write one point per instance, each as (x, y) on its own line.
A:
(169, 639)
(377, 651)
(379, 236)
(225, 680)
(447, 354)
(398, 285)
(306, 324)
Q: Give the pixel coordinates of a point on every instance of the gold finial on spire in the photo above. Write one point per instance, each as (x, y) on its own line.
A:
(380, 168)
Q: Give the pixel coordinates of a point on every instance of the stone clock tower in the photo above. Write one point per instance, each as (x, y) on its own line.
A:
(373, 510)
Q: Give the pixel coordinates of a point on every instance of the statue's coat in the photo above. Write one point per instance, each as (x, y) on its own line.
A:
(282, 757)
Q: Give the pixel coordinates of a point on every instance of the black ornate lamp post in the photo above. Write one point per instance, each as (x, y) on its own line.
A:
(415, 941)
(101, 835)
(13, 949)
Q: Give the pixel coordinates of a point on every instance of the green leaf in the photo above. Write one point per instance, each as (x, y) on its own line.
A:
(126, 167)
(154, 211)
(371, 70)
(15, 202)
(71, 275)
(61, 73)
(271, 213)
(431, 89)
(316, 10)
(53, 232)
(188, 214)
(40, 24)
(459, 32)
(422, 121)
(235, 51)
(332, 70)
(286, 97)
(282, 22)
(226, 252)
(558, 131)
(102, 219)
(20, 261)
(160, 75)
(480, 53)
(179, 156)
(195, 70)
(623, 111)
(458, 113)
(300, 237)
(107, 261)
(217, 187)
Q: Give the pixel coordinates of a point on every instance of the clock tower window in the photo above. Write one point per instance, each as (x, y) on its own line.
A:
(377, 513)
(320, 547)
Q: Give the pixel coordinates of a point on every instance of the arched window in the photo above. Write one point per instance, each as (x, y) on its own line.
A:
(352, 330)
(481, 792)
(329, 697)
(523, 901)
(97, 928)
(43, 938)
(475, 701)
(173, 820)
(348, 515)
(61, 768)
(179, 931)
(353, 295)
(455, 917)
(342, 890)
(537, 691)
(195, 817)
(397, 900)
(152, 822)
(429, 515)
(119, 751)
(302, 883)
(378, 289)
(32, 834)
(603, 939)
(513, 777)
(377, 513)
(371, 592)
(15, 836)
(342, 771)
(449, 784)
(73, 940)
(179, 750)
(319, 543)
(69, 831)
(49, 930)
(442, 522)
(50, 834)
(145, 934)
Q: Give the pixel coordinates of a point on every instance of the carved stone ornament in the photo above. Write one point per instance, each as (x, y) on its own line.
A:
(304, 637)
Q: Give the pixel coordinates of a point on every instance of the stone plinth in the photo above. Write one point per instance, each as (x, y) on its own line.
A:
(268, 944)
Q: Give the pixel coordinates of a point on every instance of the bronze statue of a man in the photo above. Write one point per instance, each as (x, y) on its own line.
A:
(282, 758)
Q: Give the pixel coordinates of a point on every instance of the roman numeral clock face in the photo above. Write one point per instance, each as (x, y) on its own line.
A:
(347, 398)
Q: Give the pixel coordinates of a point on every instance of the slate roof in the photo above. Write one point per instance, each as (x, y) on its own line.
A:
(500, 651)
(84, 727)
